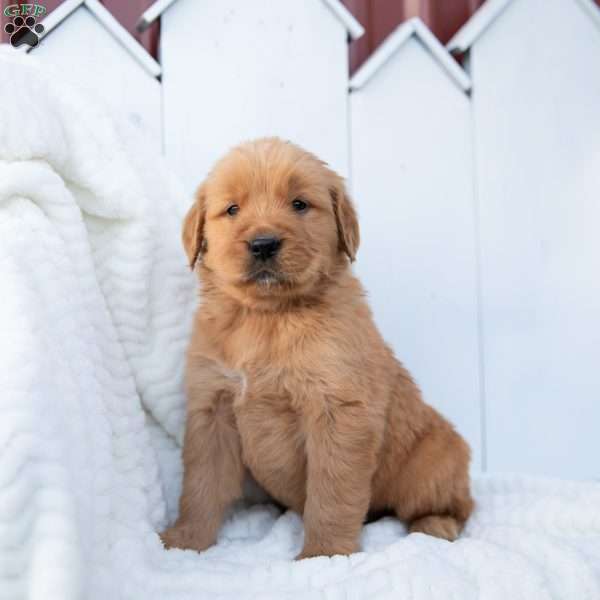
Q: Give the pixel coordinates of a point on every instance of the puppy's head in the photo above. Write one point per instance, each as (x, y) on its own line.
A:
(270, 221)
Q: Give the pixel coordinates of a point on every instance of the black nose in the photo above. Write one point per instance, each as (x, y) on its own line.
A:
(264, 247)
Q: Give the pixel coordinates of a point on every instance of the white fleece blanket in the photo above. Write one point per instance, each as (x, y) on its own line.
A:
(95, 307)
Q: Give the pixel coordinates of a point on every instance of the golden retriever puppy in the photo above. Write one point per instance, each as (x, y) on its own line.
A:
(288, 377)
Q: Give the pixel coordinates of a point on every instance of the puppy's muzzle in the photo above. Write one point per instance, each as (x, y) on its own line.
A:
(265, 247)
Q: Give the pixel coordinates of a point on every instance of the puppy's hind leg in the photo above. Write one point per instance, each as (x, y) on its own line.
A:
(434, 496)
(441, 526)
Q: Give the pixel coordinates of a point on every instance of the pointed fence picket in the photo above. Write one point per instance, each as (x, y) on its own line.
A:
(91, 49)
(412, 179)
(233, 71)
(535, 67)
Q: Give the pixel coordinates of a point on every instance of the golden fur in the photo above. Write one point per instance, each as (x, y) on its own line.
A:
(287, 376)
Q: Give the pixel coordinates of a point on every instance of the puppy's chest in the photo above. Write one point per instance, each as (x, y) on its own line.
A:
(271, 349)
(281, 371)
(287, 362)
(272, 422)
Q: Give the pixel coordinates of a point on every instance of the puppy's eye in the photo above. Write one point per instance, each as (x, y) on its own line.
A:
(299, 205)
(233, 210)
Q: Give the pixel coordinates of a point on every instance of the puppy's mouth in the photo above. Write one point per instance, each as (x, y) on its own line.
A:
(265, 277)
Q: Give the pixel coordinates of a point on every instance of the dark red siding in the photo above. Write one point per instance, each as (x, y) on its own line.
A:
(379, 17)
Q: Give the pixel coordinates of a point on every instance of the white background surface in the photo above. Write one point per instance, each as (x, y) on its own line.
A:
(536, 101)
(501, 188)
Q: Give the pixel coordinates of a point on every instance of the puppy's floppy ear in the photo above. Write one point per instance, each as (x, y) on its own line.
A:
(345, 218)
(192, 233)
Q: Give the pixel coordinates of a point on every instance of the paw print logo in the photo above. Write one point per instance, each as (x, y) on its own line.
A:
(24, 31)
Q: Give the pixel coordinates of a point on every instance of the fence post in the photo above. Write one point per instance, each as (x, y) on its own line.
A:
(536, 90)
(95, 53)
(234, 70)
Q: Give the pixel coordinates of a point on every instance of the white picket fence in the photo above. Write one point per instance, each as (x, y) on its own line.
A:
(478, 189)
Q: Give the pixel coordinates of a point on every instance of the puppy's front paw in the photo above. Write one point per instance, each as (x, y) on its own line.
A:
(312, 550)
(306, 554)
(185, 537)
